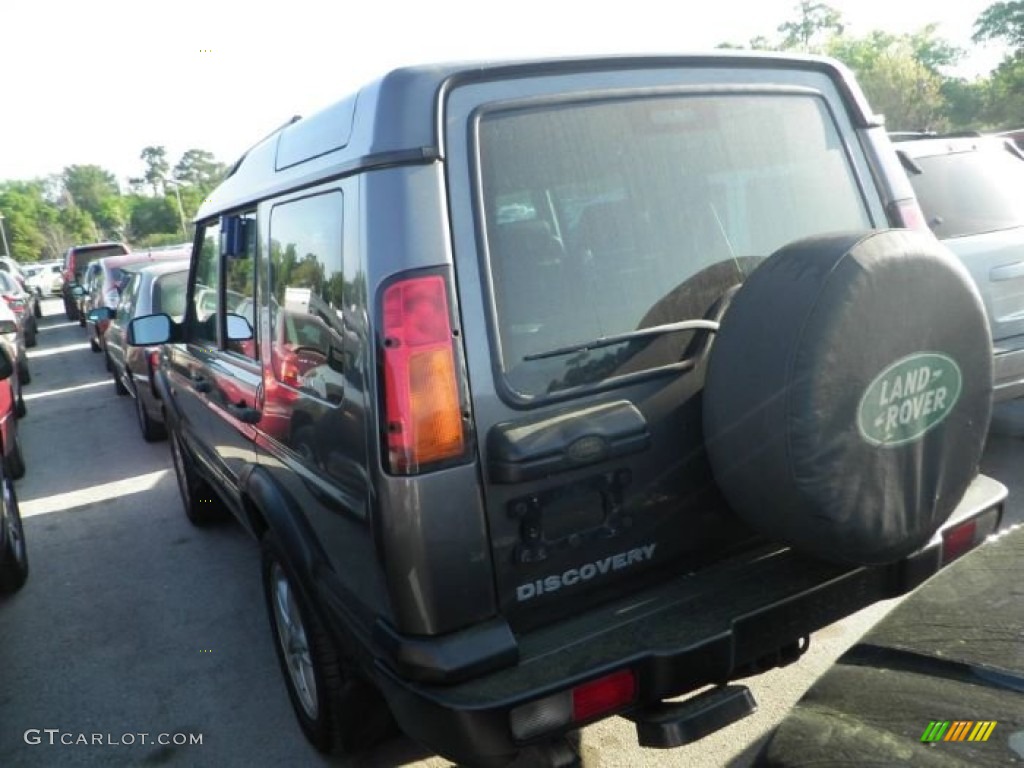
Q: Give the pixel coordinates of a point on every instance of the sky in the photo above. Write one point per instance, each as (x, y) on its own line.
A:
(95, 82)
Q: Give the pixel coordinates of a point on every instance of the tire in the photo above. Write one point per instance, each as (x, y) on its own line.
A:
(31, 331)
(13, 555)
(848, 394)
(38, 310)
(81, 319)
(119, 386)
(19, 405)
(24, 376)
(14, 462)
(69, 311)
(95, 347)
(202, 506)
(337, 711)
(152, 431)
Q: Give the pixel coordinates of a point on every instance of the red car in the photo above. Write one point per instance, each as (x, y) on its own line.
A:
(10, 446)
(76, 260)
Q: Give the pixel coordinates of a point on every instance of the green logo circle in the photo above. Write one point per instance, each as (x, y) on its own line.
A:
(910, 397)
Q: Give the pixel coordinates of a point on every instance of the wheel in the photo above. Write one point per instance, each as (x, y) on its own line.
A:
(119, 386)
(336, 710)
(202, 507)
(95, 347)
(30, 336)
(843, 415)
(24, 377)
(13, 555)
(19, 405)
(81, 319)
(152, 430)
(14, 462)
(69, 311)
(38, 310)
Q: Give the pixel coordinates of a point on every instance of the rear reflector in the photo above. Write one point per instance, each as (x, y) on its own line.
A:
(422, 408)
(603, 695)
(962, 538)
(577, 705)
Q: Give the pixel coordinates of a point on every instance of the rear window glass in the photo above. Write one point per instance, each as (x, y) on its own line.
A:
(607, 217)
(85, 256)
(967, 193)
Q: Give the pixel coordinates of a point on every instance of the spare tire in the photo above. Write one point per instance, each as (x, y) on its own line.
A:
(848, 394)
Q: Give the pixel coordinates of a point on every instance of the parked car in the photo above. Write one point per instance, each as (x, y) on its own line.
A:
(11, 339)
(13, 461)
(13, 553)
(45, 279)
(149, 288)
(104, 284)
(542, 494)
(76, 261)
(971, 189)
(20, 302)
(935, 682)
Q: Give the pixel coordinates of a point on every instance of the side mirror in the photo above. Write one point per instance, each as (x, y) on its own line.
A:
(7, 327)
(98, 314)
(238, 327)
(77, 291)
(149, 330)
(6, 365)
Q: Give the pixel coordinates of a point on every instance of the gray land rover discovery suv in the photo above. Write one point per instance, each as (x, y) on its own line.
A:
(553, 390)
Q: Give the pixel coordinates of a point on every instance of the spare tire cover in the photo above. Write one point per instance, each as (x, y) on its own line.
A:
(848, 394)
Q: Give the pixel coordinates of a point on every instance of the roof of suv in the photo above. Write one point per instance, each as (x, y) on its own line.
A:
(928, 145)
(397, 118)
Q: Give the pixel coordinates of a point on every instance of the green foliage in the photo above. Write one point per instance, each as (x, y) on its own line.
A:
(199, 168)
(1002, 21)
(816, 21)
(155, 159)
(156, 240)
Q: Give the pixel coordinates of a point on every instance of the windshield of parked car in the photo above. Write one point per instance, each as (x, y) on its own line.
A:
(968, 193)
(605, 217)
(86, 256)
(169, 295)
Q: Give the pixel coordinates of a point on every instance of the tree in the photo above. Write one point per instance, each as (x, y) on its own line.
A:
(816, 20)
(1002, 21)
(896, 82)
(155, 159)
(199, 168)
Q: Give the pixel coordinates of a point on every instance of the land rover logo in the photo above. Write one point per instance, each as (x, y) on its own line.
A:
(586, 449)
(908, 398)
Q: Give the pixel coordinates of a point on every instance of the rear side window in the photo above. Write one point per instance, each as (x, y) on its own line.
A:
(82, 258)
(169, 295)
(968, 193)
(603, 218)
(307, 288)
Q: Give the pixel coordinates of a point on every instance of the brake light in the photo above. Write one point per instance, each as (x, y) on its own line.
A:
(422, 407)
(908, 214)
(288, 371)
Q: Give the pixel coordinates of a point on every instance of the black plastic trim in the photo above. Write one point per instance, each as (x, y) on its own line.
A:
(453, 657)
(526, 449)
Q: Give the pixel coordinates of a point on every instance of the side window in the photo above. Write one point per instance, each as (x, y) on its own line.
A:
(169, 295)
(307, 289)
(240, 295)
(127, 303)
(201, 322)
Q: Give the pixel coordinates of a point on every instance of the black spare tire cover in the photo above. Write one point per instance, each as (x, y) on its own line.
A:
(848, 394)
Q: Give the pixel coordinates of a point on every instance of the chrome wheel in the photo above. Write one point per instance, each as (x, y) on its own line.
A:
(291, 634)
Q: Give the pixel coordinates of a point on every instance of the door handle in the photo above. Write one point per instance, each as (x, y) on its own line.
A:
(243, 413)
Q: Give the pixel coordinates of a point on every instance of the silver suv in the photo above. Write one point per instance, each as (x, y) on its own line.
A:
(556, 389)
(971, 189)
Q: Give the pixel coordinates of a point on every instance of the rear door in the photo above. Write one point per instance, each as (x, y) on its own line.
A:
(594, 220)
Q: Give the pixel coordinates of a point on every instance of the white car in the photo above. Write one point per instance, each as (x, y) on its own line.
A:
(44, 279)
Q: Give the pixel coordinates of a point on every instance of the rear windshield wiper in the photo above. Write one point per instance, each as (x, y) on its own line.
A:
(607, 341)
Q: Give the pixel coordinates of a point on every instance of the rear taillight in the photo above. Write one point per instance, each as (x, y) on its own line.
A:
(13, 301)
(422, 407)
(578, 705)
(962, 538)
(908, 214)
(287, 370)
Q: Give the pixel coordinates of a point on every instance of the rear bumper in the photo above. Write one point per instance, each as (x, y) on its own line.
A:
(694, 630)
